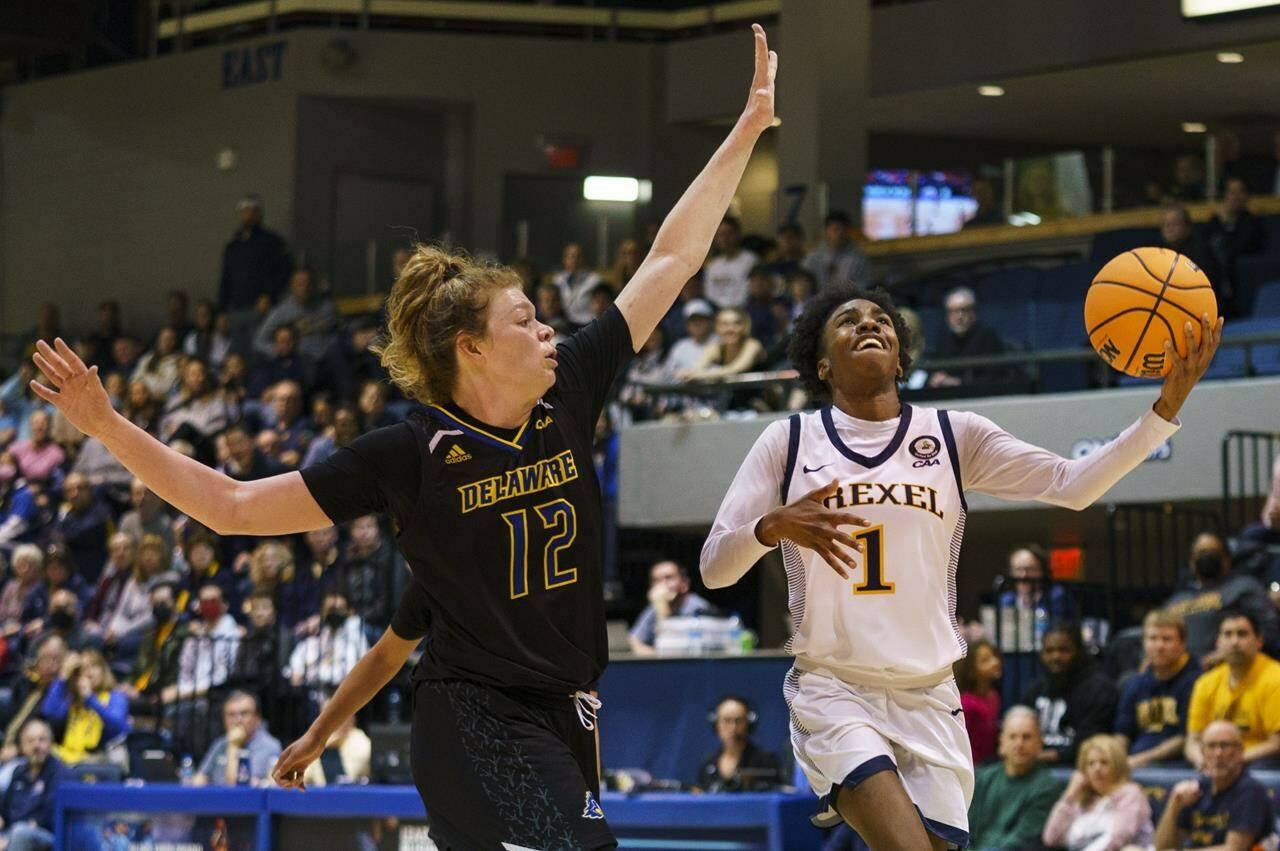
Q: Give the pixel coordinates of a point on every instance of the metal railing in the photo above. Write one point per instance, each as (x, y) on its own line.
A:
(1029, 361)
(1147, 547)
(1248, 458)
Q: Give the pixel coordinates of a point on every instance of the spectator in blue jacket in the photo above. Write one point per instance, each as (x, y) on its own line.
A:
(86, 705)
(26, 808)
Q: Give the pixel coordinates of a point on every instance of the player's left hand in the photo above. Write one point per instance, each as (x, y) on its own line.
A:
(1187, 369)
(758, 114)
(293, 761)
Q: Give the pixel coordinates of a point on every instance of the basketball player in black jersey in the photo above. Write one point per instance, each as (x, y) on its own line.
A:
(494, 494)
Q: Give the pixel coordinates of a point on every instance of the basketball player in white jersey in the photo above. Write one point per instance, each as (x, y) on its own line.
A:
(866, 498)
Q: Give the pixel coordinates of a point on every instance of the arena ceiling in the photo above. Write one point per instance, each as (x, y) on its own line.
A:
(1140, 103)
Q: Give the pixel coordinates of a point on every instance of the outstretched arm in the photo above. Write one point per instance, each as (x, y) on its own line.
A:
(995, 462)
(685, 236)
(275, 506)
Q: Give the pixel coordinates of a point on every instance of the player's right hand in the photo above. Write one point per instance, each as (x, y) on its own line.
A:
(808, 523)
(77, 391)
(292, 764)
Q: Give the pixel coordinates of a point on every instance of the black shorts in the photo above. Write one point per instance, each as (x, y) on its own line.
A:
(495, 772)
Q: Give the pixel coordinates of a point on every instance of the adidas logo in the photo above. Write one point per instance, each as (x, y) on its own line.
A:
(456, 454)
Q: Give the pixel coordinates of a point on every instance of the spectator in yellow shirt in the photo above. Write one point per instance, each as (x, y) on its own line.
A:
(1244, 689)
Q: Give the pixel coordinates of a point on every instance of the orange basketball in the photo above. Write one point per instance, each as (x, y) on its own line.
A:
(1139, 300)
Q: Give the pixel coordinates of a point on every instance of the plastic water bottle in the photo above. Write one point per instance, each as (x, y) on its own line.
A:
(1042, 626)
(187, 770)
(393, 706)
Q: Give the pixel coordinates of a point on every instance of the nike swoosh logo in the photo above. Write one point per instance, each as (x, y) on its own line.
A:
(956, 712)
(816, 469)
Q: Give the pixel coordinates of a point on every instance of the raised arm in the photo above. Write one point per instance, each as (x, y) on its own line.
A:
(685, 236)
(278, 505)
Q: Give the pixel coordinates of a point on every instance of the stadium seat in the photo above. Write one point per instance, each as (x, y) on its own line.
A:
(1265, 358)
(1271, 227)
(1253, 274)
(1109, 243)
(1227, 363)
(1267, 303)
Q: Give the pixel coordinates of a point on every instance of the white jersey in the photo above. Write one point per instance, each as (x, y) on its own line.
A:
(892, 623)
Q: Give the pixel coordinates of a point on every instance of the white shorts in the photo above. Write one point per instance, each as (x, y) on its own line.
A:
(843, 733)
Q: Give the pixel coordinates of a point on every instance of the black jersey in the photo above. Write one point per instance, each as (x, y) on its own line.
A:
(502, 528)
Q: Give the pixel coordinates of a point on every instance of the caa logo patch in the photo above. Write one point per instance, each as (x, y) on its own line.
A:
(592, 809)
(925, 448)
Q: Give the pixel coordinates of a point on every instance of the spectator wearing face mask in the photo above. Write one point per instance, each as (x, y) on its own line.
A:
(322, 660)
(157, 661)
(1215, 588)
(204, 663)
(63, 619)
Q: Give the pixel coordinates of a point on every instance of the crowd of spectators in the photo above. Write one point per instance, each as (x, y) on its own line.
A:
(118, 616)
(124, 623)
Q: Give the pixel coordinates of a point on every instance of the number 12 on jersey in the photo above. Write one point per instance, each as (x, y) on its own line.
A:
(560, 519)
(873, 582)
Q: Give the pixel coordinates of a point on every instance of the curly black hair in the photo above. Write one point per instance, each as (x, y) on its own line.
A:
(805, 349)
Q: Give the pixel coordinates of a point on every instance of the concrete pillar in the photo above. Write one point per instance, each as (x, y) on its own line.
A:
(823, 94)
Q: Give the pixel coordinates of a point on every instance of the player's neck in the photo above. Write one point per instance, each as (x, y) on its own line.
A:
(491, 406)
(878, 405)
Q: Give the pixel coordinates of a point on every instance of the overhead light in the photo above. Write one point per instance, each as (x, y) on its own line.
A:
(777, 121)
(626, 189)
(1230, 58)
(991, 91)
(1193, 127)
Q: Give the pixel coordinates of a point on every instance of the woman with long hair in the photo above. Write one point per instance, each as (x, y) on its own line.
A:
(978, 675)
(1101, 809)
(493, 489)
(865, 497)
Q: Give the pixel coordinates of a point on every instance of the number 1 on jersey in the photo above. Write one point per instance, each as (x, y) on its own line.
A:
(873, 562)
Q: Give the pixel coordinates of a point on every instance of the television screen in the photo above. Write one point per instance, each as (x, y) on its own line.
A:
(944, 201)
(887, 201)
